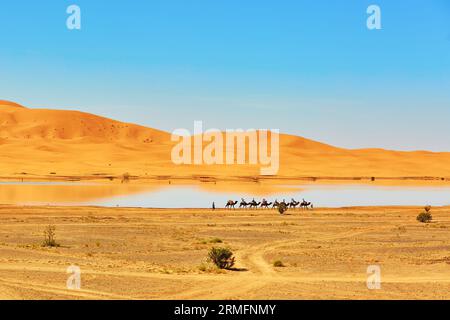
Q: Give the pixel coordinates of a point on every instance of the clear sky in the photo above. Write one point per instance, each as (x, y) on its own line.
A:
(309, 68)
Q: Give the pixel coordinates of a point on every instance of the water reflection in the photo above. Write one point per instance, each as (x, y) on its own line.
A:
(65, 193)
(163, 195)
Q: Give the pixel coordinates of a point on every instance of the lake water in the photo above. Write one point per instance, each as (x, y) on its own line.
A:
(163, 195)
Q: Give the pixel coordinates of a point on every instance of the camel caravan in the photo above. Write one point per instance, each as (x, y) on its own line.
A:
(264, 204)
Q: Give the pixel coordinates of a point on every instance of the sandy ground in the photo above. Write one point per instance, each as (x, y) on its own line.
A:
(158, 254)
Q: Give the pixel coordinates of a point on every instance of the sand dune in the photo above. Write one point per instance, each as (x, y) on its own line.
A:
(59, 143)
(18, 122)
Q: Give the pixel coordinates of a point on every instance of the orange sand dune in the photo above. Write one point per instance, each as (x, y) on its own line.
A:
(59, 143)
(18, 122)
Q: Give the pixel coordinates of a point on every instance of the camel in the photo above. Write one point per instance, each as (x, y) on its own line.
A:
(231, 204)
(265, 204)
(275, 204)
(281, 206)
(293, 204)
(306, 205)
(243, 203)
(284, 203)
(254, 204)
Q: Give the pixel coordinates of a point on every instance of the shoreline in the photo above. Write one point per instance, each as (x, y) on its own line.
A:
(221, 211)
(215, 179)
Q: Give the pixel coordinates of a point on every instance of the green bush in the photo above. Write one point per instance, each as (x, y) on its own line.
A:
(278, 264)
(221, 257)
(282, 208)
(425, 216)
(49, 237)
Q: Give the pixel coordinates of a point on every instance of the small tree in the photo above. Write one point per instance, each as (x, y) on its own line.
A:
(221, 257)
(49, 237)
(126, 177)
(278, 264)
(282, 207)
(425, 216)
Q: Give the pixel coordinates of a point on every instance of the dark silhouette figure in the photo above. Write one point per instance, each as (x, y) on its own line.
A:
(243, 203)
(230, 204)
(306, 205)
(265, 204)
(293, 204)
(275, 204)
(254, 204)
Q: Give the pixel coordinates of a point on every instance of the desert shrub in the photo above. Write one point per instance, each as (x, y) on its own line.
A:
(126, 177)
(282, 208)
(49, 237)
(208, 267)
(278, 264)
(212, 240)
(221, 257)
(425, 216)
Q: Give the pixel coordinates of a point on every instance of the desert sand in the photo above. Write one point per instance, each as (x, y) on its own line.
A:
(160, 254)
(61, 144)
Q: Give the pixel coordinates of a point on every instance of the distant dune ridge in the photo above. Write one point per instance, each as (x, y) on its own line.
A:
(62, 143)
(18, 122)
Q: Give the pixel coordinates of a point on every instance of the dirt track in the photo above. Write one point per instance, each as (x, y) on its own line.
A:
(157, 254)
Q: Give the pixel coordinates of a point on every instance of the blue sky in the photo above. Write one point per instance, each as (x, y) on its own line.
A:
(310, 68)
